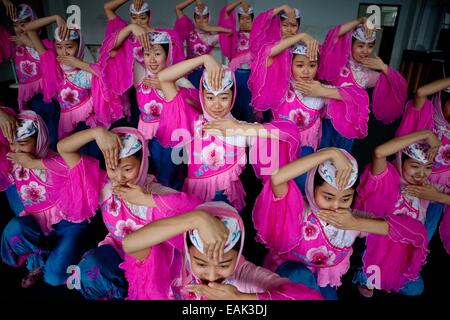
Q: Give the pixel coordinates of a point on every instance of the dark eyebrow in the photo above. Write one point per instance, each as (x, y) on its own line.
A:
(197, 258)
(226, 261)
(328, 194)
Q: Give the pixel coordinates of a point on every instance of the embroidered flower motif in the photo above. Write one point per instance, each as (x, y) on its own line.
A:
(345, 72)
(405, 211)
(20, 50)
(145, 89)
(113, 206)
(28, 68)
(243, 44)
(320, 256)
(32, 193)
(153, 108)
(299, 117)
(310, 231)
(443, 155)
(213, 156)
(125, 227)
(193, 36)
(22, 174)
(69, 96)
(138, 54)
(200, 49)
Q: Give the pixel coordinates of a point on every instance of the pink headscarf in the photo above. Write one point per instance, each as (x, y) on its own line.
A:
(228, 74)
(439, 118)
(42, 145)
(74, 34)
(143, 170)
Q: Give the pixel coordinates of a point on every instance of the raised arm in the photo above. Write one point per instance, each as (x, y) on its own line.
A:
(139, 33)
(290, 12)
(170, 75)
(395, 145)
(108, 142)
(211, 230)
(11, 10)
(111, 7)
(346, 27)
(32, 27)
(235, 4)
(427, 90)
(181, 6)
(208, 28)
(279, 180)
(311, 43)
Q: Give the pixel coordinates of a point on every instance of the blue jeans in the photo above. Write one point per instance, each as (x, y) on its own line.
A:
(100, 275)
(241, 108)
(195, 76)
(14, 200)
(49, 112)
(332, 138)
(299, 273)
(23, 241)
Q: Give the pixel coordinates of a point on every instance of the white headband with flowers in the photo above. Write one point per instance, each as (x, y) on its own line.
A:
(360, 35)
(298, 14)
(130, 145)
(26, 129)
(144, 8)
(418, 151)
(328, 172)
(227, 83)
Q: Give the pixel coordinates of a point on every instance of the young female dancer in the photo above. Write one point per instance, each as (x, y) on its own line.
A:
(126, 194)
(27, 64)
(207, 264)
(237, 49)
(433, 115)
(200, 36)
(346, 57)
(44, 236)
(310, 240)
(388, 190)
(216, 143)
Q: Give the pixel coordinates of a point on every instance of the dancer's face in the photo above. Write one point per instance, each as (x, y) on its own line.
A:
(67, 48)
(415, 172)
(328, 197)
(207, 270)
(155, 59)
(245, 22)
(201, 20)
(126, 172)
(361, 50)
(142, 19)
(289, 27)
(303, 69)
(27, 145)
(218, 106)
(19, 27)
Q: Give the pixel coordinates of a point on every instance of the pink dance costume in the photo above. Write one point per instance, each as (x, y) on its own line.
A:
(289, 227)
(44, 217)
(215, 162)
(337, 66)
(400, 255)
(102, 278)
(71, 87)
(431, 117)
(165, 276)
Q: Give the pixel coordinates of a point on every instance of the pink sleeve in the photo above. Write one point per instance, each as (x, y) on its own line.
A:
(192, 98)
(52, 77)
(268, 84)
(378, 194)
(6, 179)
(228, 43)
(108, 106)
(270, 286)
(398, 256)
(444, 229)
(269, 154)
(334, 54)
(351, 114)
(416, 119)
(151, 278)
(77, 189)
(114, 25)
(389, 96)
(178, 115)
(278, 220)
(183, 26)
(7, 47)
(116, 65)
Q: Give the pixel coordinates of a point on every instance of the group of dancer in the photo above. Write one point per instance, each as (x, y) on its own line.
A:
(155, 138)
